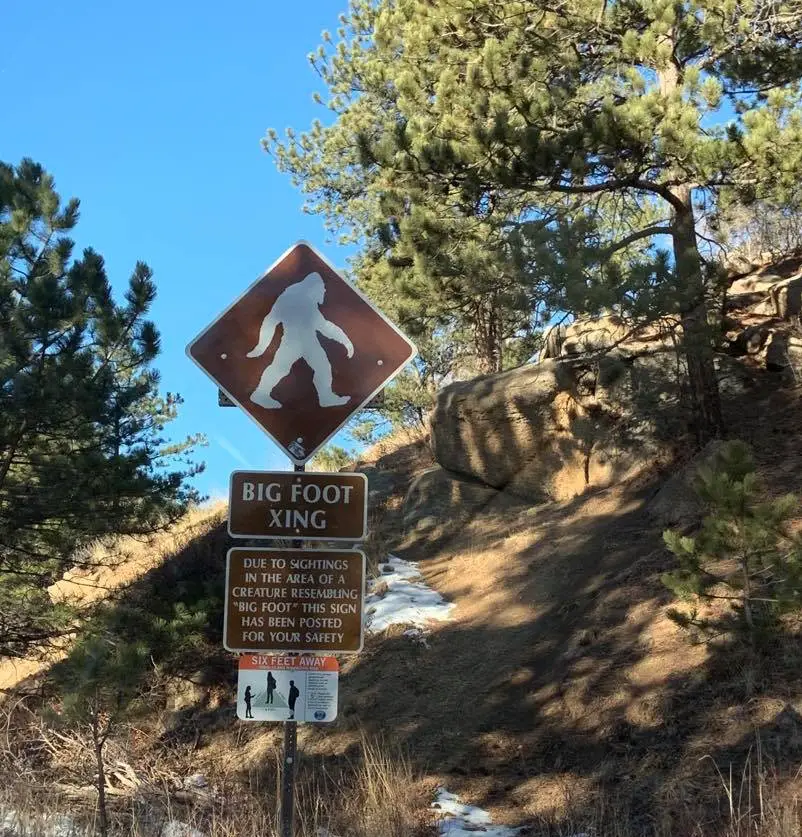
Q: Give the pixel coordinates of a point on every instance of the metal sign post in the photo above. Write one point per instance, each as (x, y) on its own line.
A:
(290, 750)
(288, 778)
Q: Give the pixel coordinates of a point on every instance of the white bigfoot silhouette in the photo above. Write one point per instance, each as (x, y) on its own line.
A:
(297, 309)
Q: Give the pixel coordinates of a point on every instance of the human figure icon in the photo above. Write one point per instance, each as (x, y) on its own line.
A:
(271, 685)
(293, 695)
(248, 697)
(297, 311)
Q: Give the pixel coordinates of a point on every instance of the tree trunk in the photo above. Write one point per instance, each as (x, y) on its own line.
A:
(487, 336)
(697, 345)
(98, 742)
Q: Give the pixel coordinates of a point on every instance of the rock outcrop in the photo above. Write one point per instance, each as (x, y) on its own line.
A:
(552, 429)
(676, 502)
(768, 294)
(437, 496)
(763, 318)
(602, 403)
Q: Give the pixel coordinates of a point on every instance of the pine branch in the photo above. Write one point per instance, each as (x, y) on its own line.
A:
(616, 185)
(639, 235)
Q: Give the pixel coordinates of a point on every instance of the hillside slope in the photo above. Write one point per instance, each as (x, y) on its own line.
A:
(559, 688)
(560, 680)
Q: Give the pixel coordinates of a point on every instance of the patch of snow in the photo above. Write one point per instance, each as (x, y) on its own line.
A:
(47, 825)
(461, 820)
(197, 780)
(176, 828)
(12, 824)
(403, 599)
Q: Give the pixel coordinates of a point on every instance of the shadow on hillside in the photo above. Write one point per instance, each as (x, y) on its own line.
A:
(591, 695)
(175, 610)
(583, 699)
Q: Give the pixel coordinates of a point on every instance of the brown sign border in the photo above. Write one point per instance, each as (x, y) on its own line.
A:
(365, 402)
(326, 652)
(301, 474)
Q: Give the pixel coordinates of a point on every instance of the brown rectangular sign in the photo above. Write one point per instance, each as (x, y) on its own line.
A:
(310, 505)
(294, 600)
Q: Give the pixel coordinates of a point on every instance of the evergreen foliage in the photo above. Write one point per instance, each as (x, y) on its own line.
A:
(744, 556)
(82, 446)
(438, 264)
(503, 159)
(99, 686)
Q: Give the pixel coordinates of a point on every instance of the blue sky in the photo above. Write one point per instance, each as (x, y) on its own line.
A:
(151, 113)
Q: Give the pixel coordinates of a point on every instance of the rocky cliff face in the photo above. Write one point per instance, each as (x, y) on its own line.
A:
(603, 403)
(763, 318)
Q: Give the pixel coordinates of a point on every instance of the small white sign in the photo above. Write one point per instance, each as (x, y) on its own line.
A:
(276, 687)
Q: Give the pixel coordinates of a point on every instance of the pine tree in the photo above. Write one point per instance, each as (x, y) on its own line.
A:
(584, 135)
(82, 450)
(744, 556)
(330, 458)
(98, 686)
(437, 262)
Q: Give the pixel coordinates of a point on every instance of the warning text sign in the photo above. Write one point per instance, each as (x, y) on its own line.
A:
(299, 600)
(310, 505)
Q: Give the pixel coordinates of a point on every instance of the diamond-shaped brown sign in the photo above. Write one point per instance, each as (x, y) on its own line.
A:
(301, 351)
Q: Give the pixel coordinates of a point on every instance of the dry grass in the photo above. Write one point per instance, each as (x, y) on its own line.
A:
(376, 795)
(378, 544)
(400, 439)
(753, 804)
(389, 800)
(111, 564)
(582, 691)
(756, 803)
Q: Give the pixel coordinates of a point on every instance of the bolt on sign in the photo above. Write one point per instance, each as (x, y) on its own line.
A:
(274, 687)
(223, 400)
(309, 504)
(301, 351)
(299, 600)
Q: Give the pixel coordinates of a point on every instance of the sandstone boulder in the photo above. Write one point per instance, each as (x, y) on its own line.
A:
(768, 295)
(782, 352)
(603, 404)
(437, 497)
(552, 429)
(592, 335)
(749, 340)
(763, 311)
(382, 484)
(553, 340)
